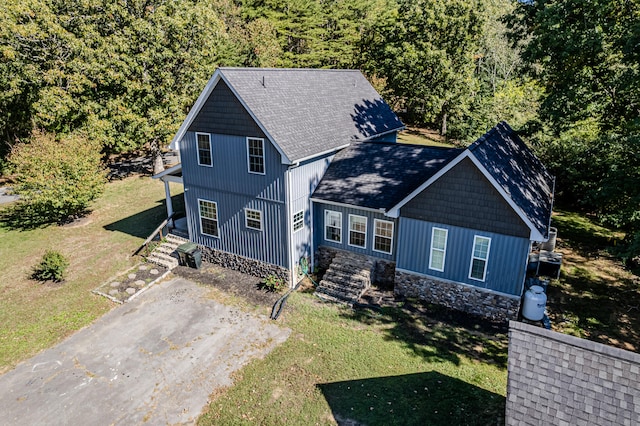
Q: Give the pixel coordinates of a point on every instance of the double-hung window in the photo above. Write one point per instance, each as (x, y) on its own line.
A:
(204, 149)
(357, 231)
(479, 258)
(382, 236)
(298, 221)
(333, 226)
(255, 155)
(253, 219)
(438, 249)
(208, 211)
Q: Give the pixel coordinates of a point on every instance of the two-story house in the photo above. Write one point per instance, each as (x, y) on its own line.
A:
(284, 164)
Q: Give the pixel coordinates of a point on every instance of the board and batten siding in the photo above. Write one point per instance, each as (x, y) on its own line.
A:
(506, 265)
(230, 171)
(229, 184)
(318, 219)
(304, 180)
(268, 245)
(464, 197)
(223, 113)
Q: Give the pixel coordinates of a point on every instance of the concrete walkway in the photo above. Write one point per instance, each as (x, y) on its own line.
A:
(153, 361)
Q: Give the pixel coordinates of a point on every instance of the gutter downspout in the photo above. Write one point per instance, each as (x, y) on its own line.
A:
(289, 229)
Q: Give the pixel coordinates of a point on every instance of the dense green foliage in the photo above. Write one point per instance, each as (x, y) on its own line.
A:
(588, 60)
(564, 73)
(56, 179)
(52, 267)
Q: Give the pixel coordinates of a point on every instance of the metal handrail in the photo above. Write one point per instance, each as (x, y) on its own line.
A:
(153, 235)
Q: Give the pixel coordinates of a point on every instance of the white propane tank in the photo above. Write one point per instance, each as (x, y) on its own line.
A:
(535, 302)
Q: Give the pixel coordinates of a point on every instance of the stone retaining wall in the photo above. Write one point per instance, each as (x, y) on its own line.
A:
(243, 264)
(459, 297)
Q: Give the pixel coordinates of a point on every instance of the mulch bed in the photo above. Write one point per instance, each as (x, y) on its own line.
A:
(236, 283)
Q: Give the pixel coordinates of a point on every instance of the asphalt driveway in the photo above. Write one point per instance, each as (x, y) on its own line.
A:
(154, 361)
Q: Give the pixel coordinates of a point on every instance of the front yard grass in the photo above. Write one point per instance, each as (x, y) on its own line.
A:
(394, 367)
(33, 315)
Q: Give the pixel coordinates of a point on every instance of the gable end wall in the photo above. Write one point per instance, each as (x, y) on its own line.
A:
(223, 114)
(464, 197)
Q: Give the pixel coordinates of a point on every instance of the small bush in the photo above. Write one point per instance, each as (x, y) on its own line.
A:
(273, 283)
(52, 267)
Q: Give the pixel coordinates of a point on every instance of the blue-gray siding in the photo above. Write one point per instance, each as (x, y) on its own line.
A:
(230, 170)
(319, 236)
(506, 264)
(233, 188)
(464, 197)
(304, 180)
(268, 245)
(223, 113)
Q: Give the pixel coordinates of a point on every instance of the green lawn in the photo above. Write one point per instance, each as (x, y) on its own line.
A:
(370, 368)
(417, 136)
(34, 316)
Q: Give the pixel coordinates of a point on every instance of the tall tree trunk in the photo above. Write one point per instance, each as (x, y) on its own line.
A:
(156, 157)
(443, 130)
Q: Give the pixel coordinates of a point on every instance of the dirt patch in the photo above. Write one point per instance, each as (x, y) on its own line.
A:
(236, 283)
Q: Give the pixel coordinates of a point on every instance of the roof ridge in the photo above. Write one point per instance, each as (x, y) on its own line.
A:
(290, 69)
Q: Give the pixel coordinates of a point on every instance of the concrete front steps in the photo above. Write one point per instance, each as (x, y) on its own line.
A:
(347, 278)
(165, 253)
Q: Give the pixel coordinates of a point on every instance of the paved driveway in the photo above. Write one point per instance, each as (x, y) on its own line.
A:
(154, 361)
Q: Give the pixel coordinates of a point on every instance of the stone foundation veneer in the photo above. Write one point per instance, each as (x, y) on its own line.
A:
(243, 264)
(455, 296)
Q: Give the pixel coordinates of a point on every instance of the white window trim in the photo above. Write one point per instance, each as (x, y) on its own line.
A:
(444, 251)
(246, 219)
(486, 260)
(217, 219)
(393, 231)
(325, 226)
(293, 225)
(264, 166)
(208, 135)
(366, 223)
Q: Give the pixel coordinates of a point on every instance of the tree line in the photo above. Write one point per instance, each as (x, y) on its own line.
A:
(564, 73)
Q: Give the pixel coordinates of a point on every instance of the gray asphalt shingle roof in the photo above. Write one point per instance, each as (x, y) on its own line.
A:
(379, 175)
(519, 172)
(311, 111)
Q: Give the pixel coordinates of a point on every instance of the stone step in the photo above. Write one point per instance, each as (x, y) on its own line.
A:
(351, 269)
(335, 296)
(163, 259)
(167, 249)
(174, 239)
(333, 287)
(164, 262)
(342, 285)
(360, 278)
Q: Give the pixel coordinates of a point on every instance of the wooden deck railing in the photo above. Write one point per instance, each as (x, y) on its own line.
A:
(157, 231)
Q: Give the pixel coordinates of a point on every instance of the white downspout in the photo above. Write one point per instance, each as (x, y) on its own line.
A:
(167, 194)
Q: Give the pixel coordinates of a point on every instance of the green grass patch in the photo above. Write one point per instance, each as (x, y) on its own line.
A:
(417, 136)
(372, 368)
(34, 315)
(596, 297)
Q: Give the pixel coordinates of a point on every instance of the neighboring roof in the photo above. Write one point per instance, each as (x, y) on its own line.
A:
(379, 175)
(518, 172)
(305, 112)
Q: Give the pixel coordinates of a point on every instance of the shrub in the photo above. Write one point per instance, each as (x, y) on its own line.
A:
(273, 283)
(52, 267)
(56, 179)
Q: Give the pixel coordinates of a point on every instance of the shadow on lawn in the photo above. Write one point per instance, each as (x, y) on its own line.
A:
(142, 224)
(439, 334)
(428, 398)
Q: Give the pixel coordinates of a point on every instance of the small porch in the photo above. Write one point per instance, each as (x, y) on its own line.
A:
(177, 223)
